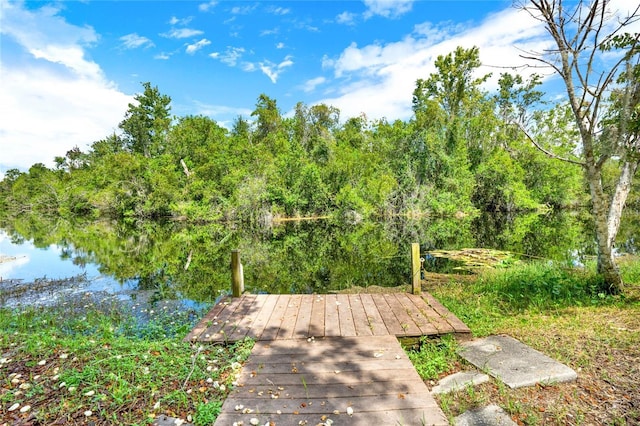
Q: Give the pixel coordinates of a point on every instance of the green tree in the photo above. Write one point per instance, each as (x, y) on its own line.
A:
(581, 33)
(449, 138)
(147, 122)
(268, 118)
(548, 184)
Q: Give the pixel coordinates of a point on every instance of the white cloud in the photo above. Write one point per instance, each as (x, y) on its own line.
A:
(346, 18)
(280, 45)
(380, 78)
(163, 56)
(327, 62)
(193, 48)
(182, 33)
(180, 21)
(272, 70)
(310, 85)
(248, 67)
(387, 8)
(133, 41)
(243, 10)
(205, 7)
(54, 98)
(278, 10)
(219, 110)
(273, 31)
(31, 29)
(230, 57)
(46, 114)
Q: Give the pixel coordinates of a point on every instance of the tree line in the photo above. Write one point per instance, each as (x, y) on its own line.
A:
(459, 153)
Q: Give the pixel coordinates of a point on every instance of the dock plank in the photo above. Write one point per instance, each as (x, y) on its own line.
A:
(288, 326)
(326, 391)
(386, 312)
(378, 382)
(262, 318)
(441, 325)
(374, 319)
(360, 320)
(407, 323)
(415, 306)
(331, 316)
(272, 327)
(205, 322)
(245, 316)
(303, 320)
(347, 326)
(316, 323)
(272, 317)
(214, 331)
(459, 326)
(396, 417)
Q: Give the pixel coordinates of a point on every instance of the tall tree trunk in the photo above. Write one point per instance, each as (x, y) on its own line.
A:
(606, 263)
(623, 188)
(604, 214)
(607, 220)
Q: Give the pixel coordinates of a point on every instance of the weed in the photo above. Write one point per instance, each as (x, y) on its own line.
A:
(207, 412)
(304, 383)
(434, 357)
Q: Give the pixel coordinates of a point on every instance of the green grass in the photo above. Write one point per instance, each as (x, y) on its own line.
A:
(433, 357)
(75, 364)
(529, 289)
(563, 313)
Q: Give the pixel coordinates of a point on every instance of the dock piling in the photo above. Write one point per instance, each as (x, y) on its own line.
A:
(415, 268)
(237, 274)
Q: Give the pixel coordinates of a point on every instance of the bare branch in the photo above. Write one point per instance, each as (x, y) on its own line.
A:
(546, 151)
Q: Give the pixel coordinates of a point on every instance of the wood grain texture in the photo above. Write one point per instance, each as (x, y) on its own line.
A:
(273, 317)
(292, 381)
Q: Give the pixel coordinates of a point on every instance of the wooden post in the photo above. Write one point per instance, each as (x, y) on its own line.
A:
(237, 275)
(415, 268)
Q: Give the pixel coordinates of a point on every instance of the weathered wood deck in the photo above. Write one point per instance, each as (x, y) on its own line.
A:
(275, 317)
(306, 382)
(318, 356)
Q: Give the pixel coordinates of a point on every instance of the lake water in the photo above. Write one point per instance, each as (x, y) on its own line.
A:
(191, 263)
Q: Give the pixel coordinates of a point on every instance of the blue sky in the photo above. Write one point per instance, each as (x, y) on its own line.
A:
(69, 69)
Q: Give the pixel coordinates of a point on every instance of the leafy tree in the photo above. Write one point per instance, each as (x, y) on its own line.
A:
(547, 183)
(268, 118)
(447, 139)
(147, 122)
(597, 88)
(453, 87)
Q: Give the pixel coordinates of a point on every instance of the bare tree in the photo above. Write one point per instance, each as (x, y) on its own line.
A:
(597, 58)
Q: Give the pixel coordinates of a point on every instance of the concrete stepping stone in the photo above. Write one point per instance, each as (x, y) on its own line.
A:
(487, 416)
(459, 381)
(513, 362)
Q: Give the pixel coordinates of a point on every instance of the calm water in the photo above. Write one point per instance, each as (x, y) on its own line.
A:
(191, 263)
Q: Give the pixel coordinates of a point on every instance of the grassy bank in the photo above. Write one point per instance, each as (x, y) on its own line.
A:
(562, 313)
(103, 363)
(98, 363)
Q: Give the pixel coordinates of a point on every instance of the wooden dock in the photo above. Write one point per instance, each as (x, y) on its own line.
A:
(328, 359)
(350, 380)
(276, 317)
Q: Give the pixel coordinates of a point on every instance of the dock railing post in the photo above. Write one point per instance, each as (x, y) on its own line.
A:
(415, 268)
(237, 275)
